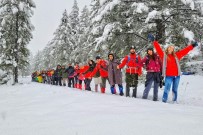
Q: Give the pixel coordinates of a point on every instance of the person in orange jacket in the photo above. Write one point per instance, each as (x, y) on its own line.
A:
(101, 66)
(133, 70)
(171, 66)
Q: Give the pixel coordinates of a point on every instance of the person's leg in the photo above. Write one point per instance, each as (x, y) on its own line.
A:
(57, 81)
(64, 81)
(103, 84)
(135, 92)
(87, 85)
(120, 86)
(155, 93)
(168, 82)
(113, 89)
(73, 82)
(135, 82)
(80, 84)
(69, 82)
(128, 80)
(176, 81)
(148, 84)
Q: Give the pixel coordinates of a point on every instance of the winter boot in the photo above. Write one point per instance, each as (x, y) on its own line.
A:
(75, 86)
(102, 90)
(113, 90)
(80, 86)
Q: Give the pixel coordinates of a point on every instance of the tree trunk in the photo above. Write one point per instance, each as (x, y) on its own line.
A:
(15, 72)
(160, 33)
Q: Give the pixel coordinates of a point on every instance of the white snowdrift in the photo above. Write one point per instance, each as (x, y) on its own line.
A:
(40, 109)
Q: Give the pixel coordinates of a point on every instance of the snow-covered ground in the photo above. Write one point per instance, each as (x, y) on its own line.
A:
(40, 109)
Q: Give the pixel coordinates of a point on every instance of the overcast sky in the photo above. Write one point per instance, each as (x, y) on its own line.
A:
(46, 19)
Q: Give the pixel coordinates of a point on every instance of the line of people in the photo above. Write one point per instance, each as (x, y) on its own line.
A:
(158, 65)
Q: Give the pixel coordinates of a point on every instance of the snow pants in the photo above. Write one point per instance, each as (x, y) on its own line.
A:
(152, 77)
(131, 81)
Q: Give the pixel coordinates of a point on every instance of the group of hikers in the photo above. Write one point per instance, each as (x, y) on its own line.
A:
(162, 64)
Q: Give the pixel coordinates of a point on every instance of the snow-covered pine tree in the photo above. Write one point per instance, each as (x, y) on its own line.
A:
(63, 41)
(81, 52)
(37, 63)
(118, 27)
(102, 27)
(16, 33)
(74, 21)
(94, 30)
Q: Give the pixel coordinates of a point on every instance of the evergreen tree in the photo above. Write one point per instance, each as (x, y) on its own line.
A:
(80, 54)
(63, 41)
(15, 32)
(74, 22)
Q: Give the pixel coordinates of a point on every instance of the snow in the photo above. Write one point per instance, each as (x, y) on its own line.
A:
(32, 108)
(105, 35)
(188, 34)
(151, 15)
(194, 52)
(140, 7)
(21, 6)
(190, 2)
(166, 12)
(102, 1)
(105, 10)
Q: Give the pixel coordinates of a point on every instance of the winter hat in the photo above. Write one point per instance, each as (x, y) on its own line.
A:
(98, 57)
(132, 47)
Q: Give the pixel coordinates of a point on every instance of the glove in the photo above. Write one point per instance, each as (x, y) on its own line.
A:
(151, 37)
(195, 44)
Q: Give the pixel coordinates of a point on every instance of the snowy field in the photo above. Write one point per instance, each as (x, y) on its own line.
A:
(40, 109)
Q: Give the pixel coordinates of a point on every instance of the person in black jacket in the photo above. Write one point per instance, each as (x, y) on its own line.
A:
(57, 75)
(71, 73)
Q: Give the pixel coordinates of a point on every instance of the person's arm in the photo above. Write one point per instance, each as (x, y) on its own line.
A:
(142, 62)
(94, 71)
(180, 54)
(139, 68)
(123, 63)
(158, 49)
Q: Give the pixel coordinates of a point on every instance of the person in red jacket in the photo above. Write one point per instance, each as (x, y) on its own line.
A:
(90, 67)
(102, 68)
(171, 66)
(81, 75)
(133, 70)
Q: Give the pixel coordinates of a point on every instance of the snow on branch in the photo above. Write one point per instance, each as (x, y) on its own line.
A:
(105, 35)
(188, 34)
(189, 2)
(140, 7)
(107, 8)
(151, 15)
